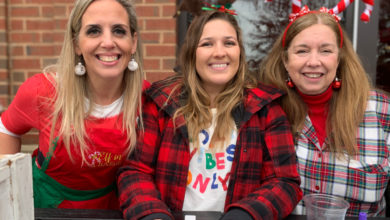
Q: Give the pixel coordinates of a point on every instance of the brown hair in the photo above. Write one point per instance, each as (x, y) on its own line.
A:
(347, 104)
(196, 108)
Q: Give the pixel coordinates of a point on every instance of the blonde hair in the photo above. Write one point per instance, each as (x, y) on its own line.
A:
(196, 107)
(69, 109)
(347, 104)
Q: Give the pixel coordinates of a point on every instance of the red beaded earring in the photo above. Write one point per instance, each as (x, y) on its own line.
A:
(336, 83)
(289, 83)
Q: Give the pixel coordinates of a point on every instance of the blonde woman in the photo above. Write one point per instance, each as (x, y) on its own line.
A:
(214, 139)
(85, 108)
(341, 125)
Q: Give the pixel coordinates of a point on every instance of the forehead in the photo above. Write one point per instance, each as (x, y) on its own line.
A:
(105, 11)
(218, 27)
(315, 34)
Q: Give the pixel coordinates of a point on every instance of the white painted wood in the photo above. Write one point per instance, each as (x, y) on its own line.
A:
(18, 186)
(6, 209)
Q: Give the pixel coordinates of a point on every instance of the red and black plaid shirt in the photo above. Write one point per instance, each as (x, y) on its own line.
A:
(264, 180)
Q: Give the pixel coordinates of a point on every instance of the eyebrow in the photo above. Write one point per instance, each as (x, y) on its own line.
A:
(210, 38)
(114, 25)
(322, 45)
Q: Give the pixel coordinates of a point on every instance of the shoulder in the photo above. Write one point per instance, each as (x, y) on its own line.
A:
(379, 105)
(145, 85)
(378, 101)
(40, 79)
(161, 90)
(39, 84)
(262, 99)
(264, 92)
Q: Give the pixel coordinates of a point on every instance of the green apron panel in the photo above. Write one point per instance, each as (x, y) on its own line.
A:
(48, 193)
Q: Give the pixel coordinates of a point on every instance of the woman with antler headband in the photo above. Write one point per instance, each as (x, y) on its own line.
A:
(341, 124)
(214, 139)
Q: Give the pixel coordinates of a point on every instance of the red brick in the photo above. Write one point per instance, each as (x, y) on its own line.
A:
(169, 10)
(24, 37)
(3, 76)
(17, 51)
(36, 50)
(60, 10)
(30, 138)
(160, 1)
(147, 11)
(155, 76)
(64, 1)
(160, 24)
(26, 64)
(61, 24)
(15, 1)
(24, 11)
(40, 25)
(2, 24)
(150, 37)
(169, 64)
(53, 37)
(48, 11)
(3, 102)
(151, 64)
(2, 10)
(157, 50)
(32, 73)
(169, 38)
(141, 24)
(39, 1)
(16, 25)
(3, 50)
(156, 25)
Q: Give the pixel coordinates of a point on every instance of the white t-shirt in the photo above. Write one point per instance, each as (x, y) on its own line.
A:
(209, 173)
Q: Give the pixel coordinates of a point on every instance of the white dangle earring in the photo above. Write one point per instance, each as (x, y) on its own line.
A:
(133, 65)
(79, 69)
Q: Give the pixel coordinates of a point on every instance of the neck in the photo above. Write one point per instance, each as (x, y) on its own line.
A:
(213, 93)
(105, 92)
(318, 107)
(318, 99)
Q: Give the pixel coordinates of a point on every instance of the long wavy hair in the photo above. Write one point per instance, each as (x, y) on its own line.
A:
(347, 104)
(69, 109)
(196, 108)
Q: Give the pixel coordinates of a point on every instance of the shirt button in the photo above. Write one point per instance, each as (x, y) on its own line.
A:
(317, 188)
(319, 155)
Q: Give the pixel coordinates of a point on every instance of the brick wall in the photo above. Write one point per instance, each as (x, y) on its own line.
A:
(31, 36)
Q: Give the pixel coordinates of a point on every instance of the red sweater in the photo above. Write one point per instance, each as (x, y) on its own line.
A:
(318, 111)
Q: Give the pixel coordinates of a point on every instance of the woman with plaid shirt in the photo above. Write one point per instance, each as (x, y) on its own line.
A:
(213, 139)
(341, 125)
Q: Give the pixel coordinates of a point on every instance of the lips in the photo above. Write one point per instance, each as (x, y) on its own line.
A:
(313, 75)
(219, 66)
(108, 58)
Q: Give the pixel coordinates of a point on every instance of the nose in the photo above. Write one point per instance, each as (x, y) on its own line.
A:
(314, 59)
(219, 50)
(107, 40)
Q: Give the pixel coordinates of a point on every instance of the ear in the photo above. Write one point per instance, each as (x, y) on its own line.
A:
(284, 60)
(134, 39)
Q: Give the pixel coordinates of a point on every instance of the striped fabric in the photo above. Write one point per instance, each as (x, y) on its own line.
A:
(361, 179)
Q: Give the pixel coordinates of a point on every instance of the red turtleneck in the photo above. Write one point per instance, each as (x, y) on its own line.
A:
(318, 111)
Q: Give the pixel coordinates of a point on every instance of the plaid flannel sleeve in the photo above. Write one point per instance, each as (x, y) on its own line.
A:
(279, 192)
(138, 194)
